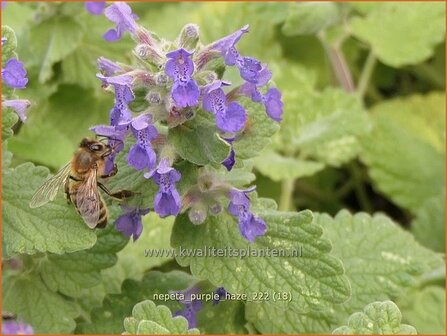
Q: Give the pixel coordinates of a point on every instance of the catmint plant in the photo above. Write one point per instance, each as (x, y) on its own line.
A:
(182, 80)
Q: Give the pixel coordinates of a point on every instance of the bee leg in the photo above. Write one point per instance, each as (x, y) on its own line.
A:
(67, 191)
(122, 194)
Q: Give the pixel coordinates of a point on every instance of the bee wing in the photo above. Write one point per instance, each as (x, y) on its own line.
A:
(88, 200)
(48, 191)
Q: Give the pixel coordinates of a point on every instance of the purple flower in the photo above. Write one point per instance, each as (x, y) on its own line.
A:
(167, 201)
(191, 306)
(19, 106)
(120, 113)
(273, 104)
(95, 7)
(107, 67)
(180, 68)
(230, 160)
(229, 117)
(221, 292)
(250, 226)
(4, 4)
(129, 223)
(121, 14)
(16, 328)
(226, 46)
(141, 154)
(14, 74)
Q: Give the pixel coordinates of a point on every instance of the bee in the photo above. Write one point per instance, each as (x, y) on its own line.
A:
(79, 178)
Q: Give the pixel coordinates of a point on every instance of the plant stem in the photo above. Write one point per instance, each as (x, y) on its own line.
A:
(365, 76)
(359, 188)
(287, 189)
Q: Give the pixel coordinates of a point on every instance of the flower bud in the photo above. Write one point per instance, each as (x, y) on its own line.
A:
(144, 36)
(215, 209)
(189, 36)
(161, 79)
(197, 215)
(154, 98)
(150, 54)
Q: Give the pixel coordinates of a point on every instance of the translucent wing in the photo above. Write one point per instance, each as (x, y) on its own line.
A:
(48, 191)
(88, 200)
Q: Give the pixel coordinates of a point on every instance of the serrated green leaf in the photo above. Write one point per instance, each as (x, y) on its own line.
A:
(321, 276)
(400, 33)
(381, 260)
(51, 118)
(116, 307)
(6, 156)
(413, 128)
(17, 15)
(424, 309)
(56, 227)
(280, 168)
(70, 273)
(377, 318)
(258, 130)
(49, 42)
(310, 18)
(9, 119)
(197, 141)
(158, 320)
(324, 126)
(429, 225)
(32, 301)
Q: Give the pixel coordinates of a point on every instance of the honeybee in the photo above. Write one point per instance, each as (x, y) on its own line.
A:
(79, 178)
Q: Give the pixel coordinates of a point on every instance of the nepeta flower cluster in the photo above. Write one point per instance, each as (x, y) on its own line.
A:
(14, 77)
(180, 80)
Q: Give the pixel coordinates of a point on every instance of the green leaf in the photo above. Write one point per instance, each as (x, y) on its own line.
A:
(413, 128)
(310, 18)
(32, 301)
(10, 44)
(323, 126)
(280, 168)
(321, 276)
(381, 260)
(116, 307)
(50, 42)
(377, 318)
(6, 156)
(56, 227)
(402, 34)
(51, 118)
(197, 141)
(429, 225)
(227, 317)
(152, 319)
(257, 133)
(70, 273)
(425, 309)
(9, 119)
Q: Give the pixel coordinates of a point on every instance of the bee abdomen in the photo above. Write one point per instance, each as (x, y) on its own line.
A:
(102, 221)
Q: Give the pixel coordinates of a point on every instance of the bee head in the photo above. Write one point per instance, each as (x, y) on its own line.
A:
(93, 145)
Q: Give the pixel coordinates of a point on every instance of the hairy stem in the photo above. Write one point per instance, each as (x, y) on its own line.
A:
(287, 189)
(366, 74)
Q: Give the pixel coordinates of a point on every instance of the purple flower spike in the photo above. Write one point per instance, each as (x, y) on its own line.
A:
(180, 68)
(226, 46)
(273, 104)
(95, 7)
(121, 14)
(14, 74)
(129, 223)
(18, 105)
(250, 226)
(229, 118)
(16, 328)
(141, 155)
(107, 67)
(167, 201)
